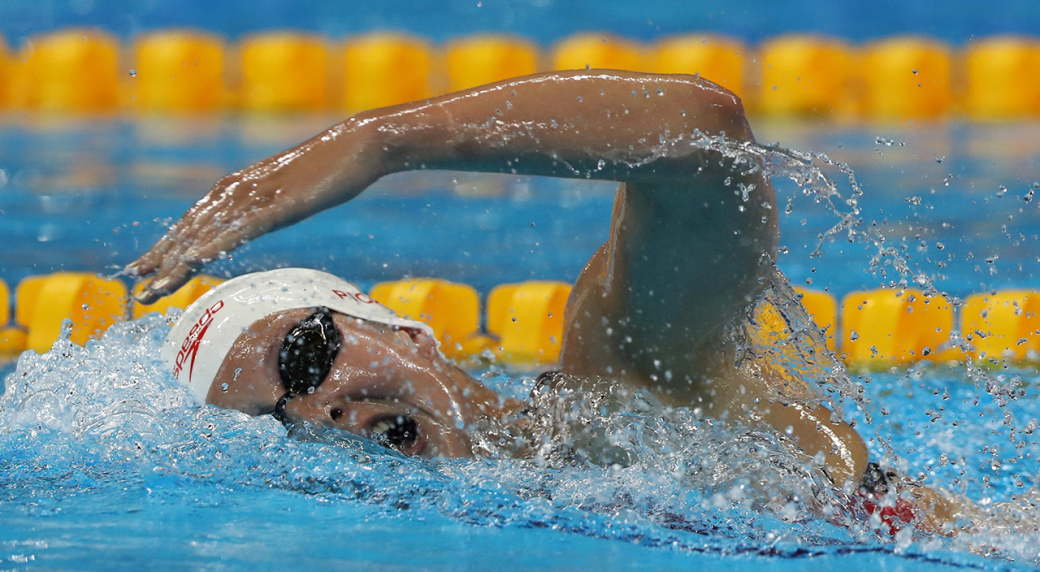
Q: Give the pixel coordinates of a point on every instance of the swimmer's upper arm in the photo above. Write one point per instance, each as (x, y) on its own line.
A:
(684, 258)
(692, 232)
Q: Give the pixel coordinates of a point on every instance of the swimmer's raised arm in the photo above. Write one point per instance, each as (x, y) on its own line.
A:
(584, 124)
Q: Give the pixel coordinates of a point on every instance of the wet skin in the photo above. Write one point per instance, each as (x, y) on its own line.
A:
(380, 374)
(685, 255)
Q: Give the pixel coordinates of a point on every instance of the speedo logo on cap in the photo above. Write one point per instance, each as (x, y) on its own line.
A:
(190, 346)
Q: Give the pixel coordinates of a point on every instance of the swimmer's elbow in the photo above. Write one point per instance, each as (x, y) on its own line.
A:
(723, 109)
(731, 112)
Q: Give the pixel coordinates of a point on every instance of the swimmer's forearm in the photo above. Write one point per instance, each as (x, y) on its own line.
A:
(331, 168)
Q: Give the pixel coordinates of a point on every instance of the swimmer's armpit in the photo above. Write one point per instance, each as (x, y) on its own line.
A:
(600, 124)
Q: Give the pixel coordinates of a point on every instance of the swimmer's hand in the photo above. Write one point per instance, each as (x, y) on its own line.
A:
(279, 191)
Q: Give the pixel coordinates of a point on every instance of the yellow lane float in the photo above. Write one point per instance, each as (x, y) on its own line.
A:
(451, 309)
(284, 72)
(12, 341)
(25, 299)
(882, 328)
(770, 327)
(5, 303)
(182, 298)
(12, 337)
(604, 51)
(6, 72)
(178, 70)
(528, 320)
(806, 75)
(823, 309)
(72, 71)
(716, 58)
(477, 60)
(1002, 75)
(384, 69)
(91, 302)
(1003, 325)
(907, 78)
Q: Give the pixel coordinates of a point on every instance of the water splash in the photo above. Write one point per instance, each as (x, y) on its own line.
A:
(636, 471)
(106, 415)
(80, 417)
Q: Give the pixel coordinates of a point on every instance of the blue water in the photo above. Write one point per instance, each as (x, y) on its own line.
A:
(105, 464)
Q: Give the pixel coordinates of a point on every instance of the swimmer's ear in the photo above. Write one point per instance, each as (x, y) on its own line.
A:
(426, 344)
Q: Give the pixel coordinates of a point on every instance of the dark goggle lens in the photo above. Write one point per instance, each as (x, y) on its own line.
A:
(308, 352)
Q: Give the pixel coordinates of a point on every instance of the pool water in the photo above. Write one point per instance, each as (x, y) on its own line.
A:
(106, 464)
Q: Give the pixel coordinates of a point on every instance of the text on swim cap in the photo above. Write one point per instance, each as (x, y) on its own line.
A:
(190, 346)
(359, 296)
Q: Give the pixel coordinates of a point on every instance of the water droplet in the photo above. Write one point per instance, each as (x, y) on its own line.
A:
(853, 336)
(66, 329)
(133, 73)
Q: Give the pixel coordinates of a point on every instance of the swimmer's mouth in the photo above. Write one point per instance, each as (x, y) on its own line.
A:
(398, 432)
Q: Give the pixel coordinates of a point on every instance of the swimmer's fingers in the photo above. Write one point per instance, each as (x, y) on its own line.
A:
(163, 256)
(166, 282)
(203, 241)
(227, 217)
(171, 272)
(149, 262)
(162, 262)
(168, 257)
(179, 262)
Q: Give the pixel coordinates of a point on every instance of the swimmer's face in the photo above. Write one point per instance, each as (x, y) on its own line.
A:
(385, 384)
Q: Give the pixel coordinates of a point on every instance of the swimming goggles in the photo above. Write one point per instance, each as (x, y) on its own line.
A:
(306, 357)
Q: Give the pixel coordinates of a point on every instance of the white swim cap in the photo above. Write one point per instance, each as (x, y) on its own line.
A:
(200, 340)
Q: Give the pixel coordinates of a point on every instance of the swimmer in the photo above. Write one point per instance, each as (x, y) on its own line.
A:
(685, 257)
